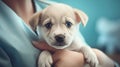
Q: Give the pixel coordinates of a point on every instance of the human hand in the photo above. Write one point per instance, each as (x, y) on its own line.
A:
(62, 58)
(66, 58)
(43, 46)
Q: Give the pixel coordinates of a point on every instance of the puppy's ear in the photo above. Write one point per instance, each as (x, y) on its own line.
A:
(81, 16)
(35, 20)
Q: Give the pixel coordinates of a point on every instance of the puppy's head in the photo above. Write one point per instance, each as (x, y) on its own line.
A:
(58, 24)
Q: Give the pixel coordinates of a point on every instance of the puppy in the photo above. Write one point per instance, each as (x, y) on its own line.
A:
(58, 25)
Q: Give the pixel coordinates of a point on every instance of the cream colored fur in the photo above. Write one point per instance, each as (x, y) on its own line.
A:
(58, 14)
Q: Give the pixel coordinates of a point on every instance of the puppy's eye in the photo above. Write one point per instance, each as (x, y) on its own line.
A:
(48, 25)
(68, 24)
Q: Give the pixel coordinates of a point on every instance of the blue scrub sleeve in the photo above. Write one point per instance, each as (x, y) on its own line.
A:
(4, 59)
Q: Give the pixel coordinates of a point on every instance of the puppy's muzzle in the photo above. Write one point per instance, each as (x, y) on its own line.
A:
(60, 38)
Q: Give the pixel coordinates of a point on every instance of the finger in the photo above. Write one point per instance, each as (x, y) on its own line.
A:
(43, 46)
(39, 44)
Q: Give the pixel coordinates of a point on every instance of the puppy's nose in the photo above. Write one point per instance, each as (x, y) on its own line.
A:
(60, 38)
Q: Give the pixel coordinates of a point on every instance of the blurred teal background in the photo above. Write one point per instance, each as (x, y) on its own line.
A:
(95, 9)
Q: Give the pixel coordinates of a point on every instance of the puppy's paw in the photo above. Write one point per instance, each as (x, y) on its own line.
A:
(45, 59)
(91, 58)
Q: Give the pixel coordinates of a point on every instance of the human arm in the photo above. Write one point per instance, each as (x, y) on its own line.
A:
(66, 58)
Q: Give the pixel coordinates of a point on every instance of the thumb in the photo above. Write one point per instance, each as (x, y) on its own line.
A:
(43, 46)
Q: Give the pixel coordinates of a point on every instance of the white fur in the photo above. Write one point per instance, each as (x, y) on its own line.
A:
(58, 14)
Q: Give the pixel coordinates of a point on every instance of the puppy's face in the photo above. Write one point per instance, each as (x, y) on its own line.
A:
(58, 25)
(58, 34)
